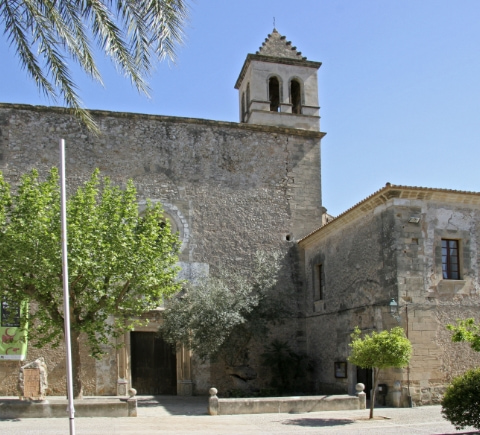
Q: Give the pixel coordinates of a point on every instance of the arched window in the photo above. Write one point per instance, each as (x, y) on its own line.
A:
(274, 94)
(248, 95)
(296, 97)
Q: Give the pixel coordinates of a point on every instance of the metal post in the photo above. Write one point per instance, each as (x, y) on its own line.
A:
(66, 301)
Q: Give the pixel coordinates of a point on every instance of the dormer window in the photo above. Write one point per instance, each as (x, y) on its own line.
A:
(296, 97)
(274, 94)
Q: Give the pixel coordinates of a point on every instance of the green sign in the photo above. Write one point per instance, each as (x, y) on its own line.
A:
(13, 345)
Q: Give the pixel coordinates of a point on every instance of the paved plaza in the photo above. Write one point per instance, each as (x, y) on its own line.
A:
(188, 415)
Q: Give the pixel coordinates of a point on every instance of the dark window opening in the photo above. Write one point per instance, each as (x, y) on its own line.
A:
(450, 257)
(319, 282)
(243, 107)
(274, 94)
(295, 97)
(248, 95)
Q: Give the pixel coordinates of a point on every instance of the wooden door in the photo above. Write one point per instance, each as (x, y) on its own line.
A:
(153, 364)
(365, 376)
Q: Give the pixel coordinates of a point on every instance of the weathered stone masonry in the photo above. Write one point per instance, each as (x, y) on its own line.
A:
(375, 252)
(235, 188)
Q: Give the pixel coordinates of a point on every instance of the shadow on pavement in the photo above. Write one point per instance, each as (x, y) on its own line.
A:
(172, 405)
(318, 422)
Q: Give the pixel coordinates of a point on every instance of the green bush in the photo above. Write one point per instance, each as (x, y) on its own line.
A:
(461, 402)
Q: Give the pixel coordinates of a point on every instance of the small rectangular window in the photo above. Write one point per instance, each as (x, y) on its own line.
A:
(319, 283)
(450, 259)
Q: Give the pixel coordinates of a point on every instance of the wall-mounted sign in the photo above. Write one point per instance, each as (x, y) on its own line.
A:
(13, 345)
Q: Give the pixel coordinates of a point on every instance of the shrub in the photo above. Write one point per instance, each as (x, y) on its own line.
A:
(461, 402)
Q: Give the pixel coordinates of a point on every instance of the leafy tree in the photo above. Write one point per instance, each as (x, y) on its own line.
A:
(46, 34)
(219, 316)
(120, 263)
(466, 330)
(379, 351)
(461, 401)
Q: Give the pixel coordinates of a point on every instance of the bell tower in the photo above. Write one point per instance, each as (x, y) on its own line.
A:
(279, 87)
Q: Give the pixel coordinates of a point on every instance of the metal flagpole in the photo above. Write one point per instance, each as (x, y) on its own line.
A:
(66, 301)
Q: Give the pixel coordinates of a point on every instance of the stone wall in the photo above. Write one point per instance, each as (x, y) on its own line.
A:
(359, 271)
(231, 189)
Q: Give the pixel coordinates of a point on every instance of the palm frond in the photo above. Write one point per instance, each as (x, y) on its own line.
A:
(133, 34)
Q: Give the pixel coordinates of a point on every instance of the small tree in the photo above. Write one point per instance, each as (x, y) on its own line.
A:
(380, 351)
(461, 402)
(219, 316)
(120, 263)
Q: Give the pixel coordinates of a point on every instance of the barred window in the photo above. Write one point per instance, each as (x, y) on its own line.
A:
(450, 259)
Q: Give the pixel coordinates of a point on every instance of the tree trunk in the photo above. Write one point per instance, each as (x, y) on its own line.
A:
(376, 371)
(76, 365)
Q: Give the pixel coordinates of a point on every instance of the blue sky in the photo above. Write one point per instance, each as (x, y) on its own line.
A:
(399, 87)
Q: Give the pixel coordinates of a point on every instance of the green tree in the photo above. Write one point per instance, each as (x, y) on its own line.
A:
(219, 316)
(380, 351)
(46, 34)
(461, 401)
(460, 404)
(468, 331)
(120, 263)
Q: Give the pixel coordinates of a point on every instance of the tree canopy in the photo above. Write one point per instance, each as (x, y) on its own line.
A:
(461, 401)
(221, 315)
(380, 350)
(120, 263)
(46, 34)
(468, 331)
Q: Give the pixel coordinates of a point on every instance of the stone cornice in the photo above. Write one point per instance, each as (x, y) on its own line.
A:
(196, 121)
(384, 195)
(271, 59)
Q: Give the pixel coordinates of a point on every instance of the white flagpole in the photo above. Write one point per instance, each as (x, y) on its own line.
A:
(66, 300)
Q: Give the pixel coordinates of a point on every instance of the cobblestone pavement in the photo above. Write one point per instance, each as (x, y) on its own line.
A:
(187, 415)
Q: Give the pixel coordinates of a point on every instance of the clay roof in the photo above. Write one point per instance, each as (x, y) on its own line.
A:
(391, 191)
(276, 45)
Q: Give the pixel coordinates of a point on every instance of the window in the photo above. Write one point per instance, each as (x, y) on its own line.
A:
(319, 283)
(295, 97)
(450, 259)
(274, 94)
(243, 107)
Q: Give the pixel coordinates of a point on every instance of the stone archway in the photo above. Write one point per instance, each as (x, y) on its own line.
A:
(170, 370)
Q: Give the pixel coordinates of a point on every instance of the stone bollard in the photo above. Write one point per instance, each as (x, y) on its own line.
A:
(362, 397)
(213, 402)
(132, 403)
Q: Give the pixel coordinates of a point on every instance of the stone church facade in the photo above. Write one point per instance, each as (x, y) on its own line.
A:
(231, 189)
